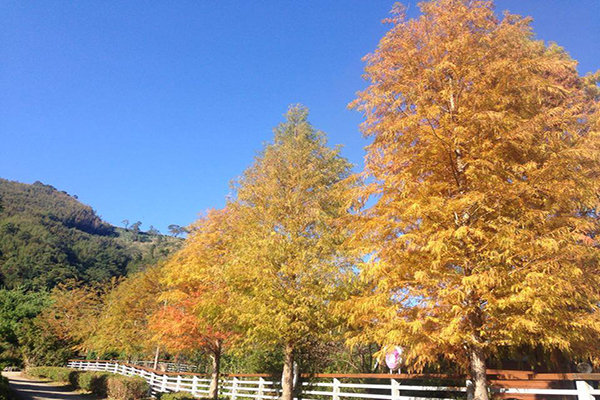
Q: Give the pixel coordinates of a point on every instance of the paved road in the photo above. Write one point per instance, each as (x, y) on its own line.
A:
(32, 389)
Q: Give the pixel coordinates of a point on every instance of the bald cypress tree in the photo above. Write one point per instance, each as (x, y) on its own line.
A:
(289, 258)
(484, 174)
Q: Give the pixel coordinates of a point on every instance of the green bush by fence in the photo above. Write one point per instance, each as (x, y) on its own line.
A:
(177, 396)
(95, 382)
(56, 374)
(127, 388)
(114, 386)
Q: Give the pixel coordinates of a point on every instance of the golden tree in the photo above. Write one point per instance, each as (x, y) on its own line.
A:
(197, 297)
(123, 322)
(289, 260)
(72, 314)
(485, 178)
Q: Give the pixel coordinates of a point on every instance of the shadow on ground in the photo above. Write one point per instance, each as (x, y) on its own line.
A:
(32, 389)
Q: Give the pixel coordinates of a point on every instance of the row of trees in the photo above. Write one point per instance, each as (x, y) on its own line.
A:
(470, 233)
(264, 271)
(174, 229)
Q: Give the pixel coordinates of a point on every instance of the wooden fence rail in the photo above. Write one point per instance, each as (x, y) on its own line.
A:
(505, 384)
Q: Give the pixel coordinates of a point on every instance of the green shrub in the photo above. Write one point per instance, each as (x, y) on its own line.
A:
(95, 382)
(37, 372)
(114, 386)
(186, 396)
(127, 388)
(74, 378)
(177, 396)
(56, 374)
(4, 395)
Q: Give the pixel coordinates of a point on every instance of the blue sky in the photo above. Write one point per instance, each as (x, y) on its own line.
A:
(146, 110)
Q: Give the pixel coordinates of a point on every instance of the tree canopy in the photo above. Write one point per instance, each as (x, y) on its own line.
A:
(484, 173)
(289, 260)
(196, 313)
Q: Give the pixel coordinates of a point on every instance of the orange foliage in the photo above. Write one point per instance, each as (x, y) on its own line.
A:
(194, 315)
(178, 327)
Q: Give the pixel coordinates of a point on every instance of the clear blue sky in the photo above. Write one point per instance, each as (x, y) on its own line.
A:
(147, 109)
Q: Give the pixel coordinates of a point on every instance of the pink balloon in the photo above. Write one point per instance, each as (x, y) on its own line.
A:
(393, 358)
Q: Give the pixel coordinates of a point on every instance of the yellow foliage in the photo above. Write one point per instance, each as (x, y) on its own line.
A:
(485, 178)
(289, 261)
(123, 322)
(73, 313)
(197, 300)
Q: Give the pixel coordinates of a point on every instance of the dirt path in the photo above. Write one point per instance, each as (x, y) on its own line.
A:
(32, 389)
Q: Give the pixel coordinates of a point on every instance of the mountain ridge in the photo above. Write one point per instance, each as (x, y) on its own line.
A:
(48, 236)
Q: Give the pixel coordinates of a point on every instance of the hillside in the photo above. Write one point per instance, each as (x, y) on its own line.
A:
(47, 236)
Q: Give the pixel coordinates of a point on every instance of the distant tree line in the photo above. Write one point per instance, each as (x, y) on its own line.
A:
(47, 238)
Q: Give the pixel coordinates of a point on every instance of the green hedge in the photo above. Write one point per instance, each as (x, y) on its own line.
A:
(57, 374)
(186, 396)
(114, 386)
(4, 392)
(177, 396)
(127, 388)
(91, 381)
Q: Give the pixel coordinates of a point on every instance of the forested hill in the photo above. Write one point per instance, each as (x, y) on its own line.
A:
(47, 236)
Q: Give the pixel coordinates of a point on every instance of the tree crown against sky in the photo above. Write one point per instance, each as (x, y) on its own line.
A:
(484, 169)
(289, 203)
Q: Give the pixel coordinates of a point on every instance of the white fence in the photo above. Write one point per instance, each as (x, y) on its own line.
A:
(347, 386)
(168, 366)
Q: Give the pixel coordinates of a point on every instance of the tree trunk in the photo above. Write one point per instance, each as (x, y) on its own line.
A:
(213, 391)
(156, 357)
(178, 362)
(478, 374)
(287, 380)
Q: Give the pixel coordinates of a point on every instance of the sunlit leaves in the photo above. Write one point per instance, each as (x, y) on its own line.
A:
(195, 314)
(483, 171)
(290, 258)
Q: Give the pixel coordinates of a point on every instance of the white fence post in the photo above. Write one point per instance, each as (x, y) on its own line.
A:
(178, 384)
(336, 389)
(194, 385)
(163, 387)
(395, 390)
(261, 388)
(470, 389)
(235, 389)
(584, 391)
(152, 379)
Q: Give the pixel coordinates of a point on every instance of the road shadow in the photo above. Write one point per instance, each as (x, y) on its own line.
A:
(34, 389)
